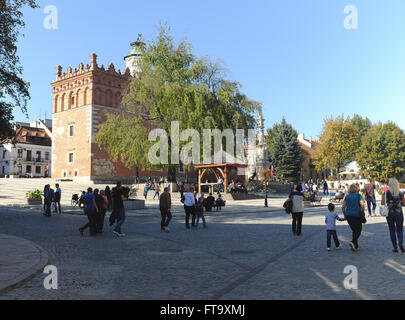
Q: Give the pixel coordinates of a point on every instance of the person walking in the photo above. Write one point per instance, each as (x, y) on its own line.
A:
(48, 197)
(90, 211)
(209, 203)
(200, 212)
(107, 193)
(325, 188)
(102, 204)
(181, 188)
(395, 199)
(297, 212)
(353, 208)
(58, 197)
(157, 191)
(165, 205)
(145, 190)
(118, 208)
(189, 207)
(330, 221)
(369, 193)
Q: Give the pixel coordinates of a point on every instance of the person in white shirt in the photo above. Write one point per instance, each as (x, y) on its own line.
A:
(189, 207)
(297, 212)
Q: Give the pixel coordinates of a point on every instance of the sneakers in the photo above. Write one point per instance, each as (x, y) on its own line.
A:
(116, 233)
(395, 251)
(402, 248)
(339, 247)
(328, 249)
(352, 246)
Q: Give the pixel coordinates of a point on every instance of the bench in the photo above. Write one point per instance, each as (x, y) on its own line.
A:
(316, 200)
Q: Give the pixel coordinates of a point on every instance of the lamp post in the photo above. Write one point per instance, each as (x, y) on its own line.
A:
(265, 199)
(266, 176)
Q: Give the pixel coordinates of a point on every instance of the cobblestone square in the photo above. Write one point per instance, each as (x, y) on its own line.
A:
(242, 255)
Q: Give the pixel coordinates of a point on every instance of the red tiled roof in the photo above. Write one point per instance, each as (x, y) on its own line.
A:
(31, 136)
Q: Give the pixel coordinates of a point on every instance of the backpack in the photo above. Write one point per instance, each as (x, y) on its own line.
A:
(288, 205)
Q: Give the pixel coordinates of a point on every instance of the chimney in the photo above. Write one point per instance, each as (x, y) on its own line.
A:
(58, 71)
(93, 61)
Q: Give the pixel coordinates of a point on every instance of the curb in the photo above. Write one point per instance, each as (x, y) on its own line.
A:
(26, 276)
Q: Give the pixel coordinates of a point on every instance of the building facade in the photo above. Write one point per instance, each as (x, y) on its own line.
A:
(82, 98)
(308, 170)
(28, 153)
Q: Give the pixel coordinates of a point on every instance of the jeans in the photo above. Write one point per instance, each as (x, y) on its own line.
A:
(329, 234)
(369, 202)
(203, 219)
(120, 219)
(56, 204)
(92, 224)
(356, 226)
(156, 194)
(48, 205)
(297, 222)
(396, 224)
(189, 211)
(100, 220)
(166, 217)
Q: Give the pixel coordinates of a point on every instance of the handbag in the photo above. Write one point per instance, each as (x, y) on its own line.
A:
(384, 209)
(288, 205)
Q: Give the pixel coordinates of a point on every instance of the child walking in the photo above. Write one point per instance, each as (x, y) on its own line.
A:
(330, 221)
(200, 212)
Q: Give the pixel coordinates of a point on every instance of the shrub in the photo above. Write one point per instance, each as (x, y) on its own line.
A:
(34, 194)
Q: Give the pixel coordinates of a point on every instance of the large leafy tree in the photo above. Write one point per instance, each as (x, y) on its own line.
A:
(382, 152)
(13, 89)
(362, 125)
(338, 143)
(270, 137)
(173, 85)
(287, 157)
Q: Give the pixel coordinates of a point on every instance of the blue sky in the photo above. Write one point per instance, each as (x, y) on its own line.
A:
(293, 55)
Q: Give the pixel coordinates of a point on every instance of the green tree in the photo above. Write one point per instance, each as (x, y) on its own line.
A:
(13, 89)
(173, 85)
(362, 124)
(338, 144)
(287, 157)
(271, 134)
(382, 152)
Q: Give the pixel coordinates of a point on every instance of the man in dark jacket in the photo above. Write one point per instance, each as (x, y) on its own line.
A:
(165, 205)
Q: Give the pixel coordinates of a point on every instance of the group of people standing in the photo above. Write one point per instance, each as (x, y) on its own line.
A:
(96, 204)
(353, 209)
(52, 197)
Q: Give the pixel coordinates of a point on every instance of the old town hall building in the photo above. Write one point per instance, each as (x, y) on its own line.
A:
(81, 99)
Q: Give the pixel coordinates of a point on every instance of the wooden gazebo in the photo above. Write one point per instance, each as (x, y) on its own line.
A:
(221, 170)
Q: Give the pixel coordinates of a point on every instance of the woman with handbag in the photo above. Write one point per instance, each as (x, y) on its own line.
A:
(353, 210)
(392, 201)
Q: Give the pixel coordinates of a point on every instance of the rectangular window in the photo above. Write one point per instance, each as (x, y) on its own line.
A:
(28, 155)
(38, 169)
(71, 130)
(47, 155)
(38, 156)
(19, 153)
(28, 169)
(70, 157)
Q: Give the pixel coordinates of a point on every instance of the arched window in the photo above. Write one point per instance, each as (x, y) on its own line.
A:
(55, 104)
